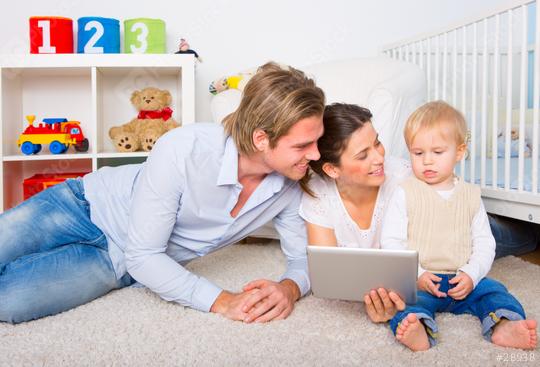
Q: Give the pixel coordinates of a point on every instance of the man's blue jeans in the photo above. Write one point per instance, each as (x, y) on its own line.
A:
(489, 301)
(513, 236)
(52, 257)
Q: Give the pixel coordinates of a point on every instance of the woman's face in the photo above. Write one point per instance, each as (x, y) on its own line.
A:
(362, 161)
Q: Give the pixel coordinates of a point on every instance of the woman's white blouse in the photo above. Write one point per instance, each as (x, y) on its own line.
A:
(327, 208)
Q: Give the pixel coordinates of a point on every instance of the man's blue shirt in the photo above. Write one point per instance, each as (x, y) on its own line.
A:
(176, 206)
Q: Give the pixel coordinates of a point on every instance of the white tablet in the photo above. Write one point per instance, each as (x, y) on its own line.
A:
(349, 273)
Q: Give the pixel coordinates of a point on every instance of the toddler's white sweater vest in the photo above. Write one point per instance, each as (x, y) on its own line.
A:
(440, 229)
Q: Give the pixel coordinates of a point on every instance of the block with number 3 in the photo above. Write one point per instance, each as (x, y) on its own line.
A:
(144, 36)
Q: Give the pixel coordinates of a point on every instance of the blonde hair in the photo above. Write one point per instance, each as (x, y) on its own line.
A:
(434, 115)
(273, 100)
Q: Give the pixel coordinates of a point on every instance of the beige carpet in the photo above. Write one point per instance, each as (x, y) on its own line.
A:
(133, 327)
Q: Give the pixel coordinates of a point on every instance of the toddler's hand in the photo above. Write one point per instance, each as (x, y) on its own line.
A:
(464, 286)
(426, 282)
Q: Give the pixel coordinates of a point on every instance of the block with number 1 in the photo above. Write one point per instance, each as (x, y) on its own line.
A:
(51, 35)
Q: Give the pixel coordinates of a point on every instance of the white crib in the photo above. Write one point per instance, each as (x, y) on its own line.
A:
(489, 68)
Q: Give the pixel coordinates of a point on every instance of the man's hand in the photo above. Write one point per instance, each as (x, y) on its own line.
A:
(464, 286)
(271, 300)
(381, 305)
(230, 304)
(426, 283)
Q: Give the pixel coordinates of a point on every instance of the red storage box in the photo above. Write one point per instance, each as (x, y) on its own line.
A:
(40, 182)
(51, 35)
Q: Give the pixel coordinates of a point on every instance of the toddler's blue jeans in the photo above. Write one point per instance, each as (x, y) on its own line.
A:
(489, 301)
(52, 257)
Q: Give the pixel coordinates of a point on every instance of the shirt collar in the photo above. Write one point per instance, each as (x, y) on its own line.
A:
(228, 173)
(276, 181)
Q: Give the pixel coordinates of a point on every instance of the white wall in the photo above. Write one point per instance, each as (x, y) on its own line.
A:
(232, 35)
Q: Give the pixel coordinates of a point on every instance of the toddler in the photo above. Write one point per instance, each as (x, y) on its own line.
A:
(443, 218)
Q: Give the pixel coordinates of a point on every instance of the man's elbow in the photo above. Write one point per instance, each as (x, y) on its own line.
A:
(133, 260)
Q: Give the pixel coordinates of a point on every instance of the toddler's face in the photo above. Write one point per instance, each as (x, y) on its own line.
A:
(434, 154)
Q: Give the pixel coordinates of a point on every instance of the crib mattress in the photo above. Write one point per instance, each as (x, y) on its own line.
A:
(527, 177)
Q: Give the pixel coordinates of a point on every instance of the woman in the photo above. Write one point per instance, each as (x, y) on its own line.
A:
(345, 201)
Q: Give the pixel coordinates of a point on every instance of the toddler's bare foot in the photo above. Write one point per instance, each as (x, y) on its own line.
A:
(412, 333)
(515, 334)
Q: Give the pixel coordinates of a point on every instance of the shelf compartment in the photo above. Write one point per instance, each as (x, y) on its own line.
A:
(45, 93)
(114, 86)
(14, 173)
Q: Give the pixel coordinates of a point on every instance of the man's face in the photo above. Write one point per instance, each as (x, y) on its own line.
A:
(292, 153)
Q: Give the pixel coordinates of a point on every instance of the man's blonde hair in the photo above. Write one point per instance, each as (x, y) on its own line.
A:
(273, 100)
(434, 115)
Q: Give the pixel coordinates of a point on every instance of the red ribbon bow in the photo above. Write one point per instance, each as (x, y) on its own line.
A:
(164, 114)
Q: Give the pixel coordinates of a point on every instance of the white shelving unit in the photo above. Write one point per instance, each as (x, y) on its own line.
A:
(92, 89)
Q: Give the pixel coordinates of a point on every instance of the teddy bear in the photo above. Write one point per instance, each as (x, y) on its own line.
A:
(154, 119)
(514, 145)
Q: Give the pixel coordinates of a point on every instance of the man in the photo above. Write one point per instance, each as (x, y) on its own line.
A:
(204, 186)
(234, 181)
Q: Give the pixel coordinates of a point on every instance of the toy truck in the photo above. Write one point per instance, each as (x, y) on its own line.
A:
(41, 181)
(59, 133)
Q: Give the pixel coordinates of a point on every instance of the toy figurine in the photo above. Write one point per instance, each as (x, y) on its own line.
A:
(183, 48)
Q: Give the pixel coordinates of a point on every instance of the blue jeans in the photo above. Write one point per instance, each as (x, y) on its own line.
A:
(52, 257)
(489, 301)
(513, 236)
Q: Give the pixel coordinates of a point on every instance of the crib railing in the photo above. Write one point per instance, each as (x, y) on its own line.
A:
(489, 68)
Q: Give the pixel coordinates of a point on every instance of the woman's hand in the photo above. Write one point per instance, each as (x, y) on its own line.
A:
(381, 305)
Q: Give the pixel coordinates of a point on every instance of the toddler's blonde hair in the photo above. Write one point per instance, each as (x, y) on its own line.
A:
(434, 115)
